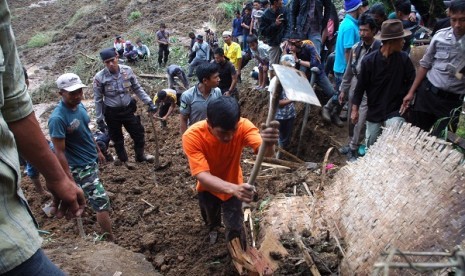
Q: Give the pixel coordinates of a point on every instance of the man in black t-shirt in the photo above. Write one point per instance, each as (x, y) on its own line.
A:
(228, 74)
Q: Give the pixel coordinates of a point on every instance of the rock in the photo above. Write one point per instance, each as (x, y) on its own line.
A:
(80, 35)
(118, 179)
(164, 268)
(148, 211)
(137, 190)
(180, 258)
(159, 260)
(148, 241)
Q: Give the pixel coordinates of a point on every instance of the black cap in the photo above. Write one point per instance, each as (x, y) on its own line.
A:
(108, 53)
(161, 95)
(199, 37)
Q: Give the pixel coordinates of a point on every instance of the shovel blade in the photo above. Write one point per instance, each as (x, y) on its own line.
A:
(296, 85)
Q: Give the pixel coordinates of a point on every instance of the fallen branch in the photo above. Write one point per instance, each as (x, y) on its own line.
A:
(148, 203)
(266, 164)
(290, 155)
(323, 168)
(290, 164)
(342, 250)
(307, 189)
(152, 76)
(307, 257)
(81, 53)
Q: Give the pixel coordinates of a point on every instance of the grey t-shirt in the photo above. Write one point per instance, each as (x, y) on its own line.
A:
(194, 105)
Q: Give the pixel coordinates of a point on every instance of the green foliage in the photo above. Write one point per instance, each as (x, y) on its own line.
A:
(135, 15)
(41, 39)
(461, 125)
(45, 93)
(230, 8)
(83, 11)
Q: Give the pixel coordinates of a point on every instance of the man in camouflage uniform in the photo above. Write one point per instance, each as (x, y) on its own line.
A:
(113, 102)
(76, 149)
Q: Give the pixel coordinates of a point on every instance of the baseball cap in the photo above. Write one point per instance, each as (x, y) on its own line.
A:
(69, 82)
(227, 33)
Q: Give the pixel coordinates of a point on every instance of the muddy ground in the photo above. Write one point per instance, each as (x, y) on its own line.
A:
(155, 212)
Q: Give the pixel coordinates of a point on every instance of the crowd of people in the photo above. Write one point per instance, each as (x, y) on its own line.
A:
(371, 68)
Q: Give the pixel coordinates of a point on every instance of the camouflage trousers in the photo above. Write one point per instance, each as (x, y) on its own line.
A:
(87, 178)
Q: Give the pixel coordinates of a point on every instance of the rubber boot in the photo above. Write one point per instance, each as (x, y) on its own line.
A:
(141, 157)
(121, 153)
(335, 115)
(326, 111)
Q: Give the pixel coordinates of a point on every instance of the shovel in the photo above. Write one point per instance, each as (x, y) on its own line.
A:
(297, 88)
(314, 71)
(157, 155)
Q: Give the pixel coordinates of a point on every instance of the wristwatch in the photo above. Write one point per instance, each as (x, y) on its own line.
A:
(298, 61)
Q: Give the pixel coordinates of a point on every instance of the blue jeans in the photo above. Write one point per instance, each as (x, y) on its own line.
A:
(245, 45)
(31, 171)
(374, 129)
(285, 131)
(322, 81)
(316, 39)
(338, 78)
(38, 265)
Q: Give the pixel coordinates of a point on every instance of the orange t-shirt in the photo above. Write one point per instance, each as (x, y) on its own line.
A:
(207, 154)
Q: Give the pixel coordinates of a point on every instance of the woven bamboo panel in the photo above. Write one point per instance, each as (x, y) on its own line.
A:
(406, 193)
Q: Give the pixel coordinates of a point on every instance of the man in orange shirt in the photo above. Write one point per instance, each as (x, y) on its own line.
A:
(214, 148)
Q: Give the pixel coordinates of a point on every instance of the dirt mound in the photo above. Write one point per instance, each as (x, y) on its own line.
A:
(99, 259)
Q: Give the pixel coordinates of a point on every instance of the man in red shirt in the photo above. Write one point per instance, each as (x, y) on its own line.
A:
(214, 148)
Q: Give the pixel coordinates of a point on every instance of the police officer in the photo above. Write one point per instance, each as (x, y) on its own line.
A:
(439, 92)
(113, 102)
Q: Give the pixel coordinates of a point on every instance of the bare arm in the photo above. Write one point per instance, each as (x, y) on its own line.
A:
(233, 82)
(243, 192)
(33, 146)
(183, 119)
(170, 110)
(270, 136)
(59, 144)
(421, 74)
(347, 54)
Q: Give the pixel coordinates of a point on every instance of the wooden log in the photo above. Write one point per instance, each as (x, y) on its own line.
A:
(266, 164)
(152, 76)
(290, 164)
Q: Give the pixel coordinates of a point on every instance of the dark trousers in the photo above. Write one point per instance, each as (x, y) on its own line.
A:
(285, 132)
(38, 264)
(163, 52)
(432, 106)
(118, 117)
(163, 109)
(233, 218)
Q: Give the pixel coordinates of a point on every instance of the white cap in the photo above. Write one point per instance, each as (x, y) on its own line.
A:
(227, 33)
(69, 82)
